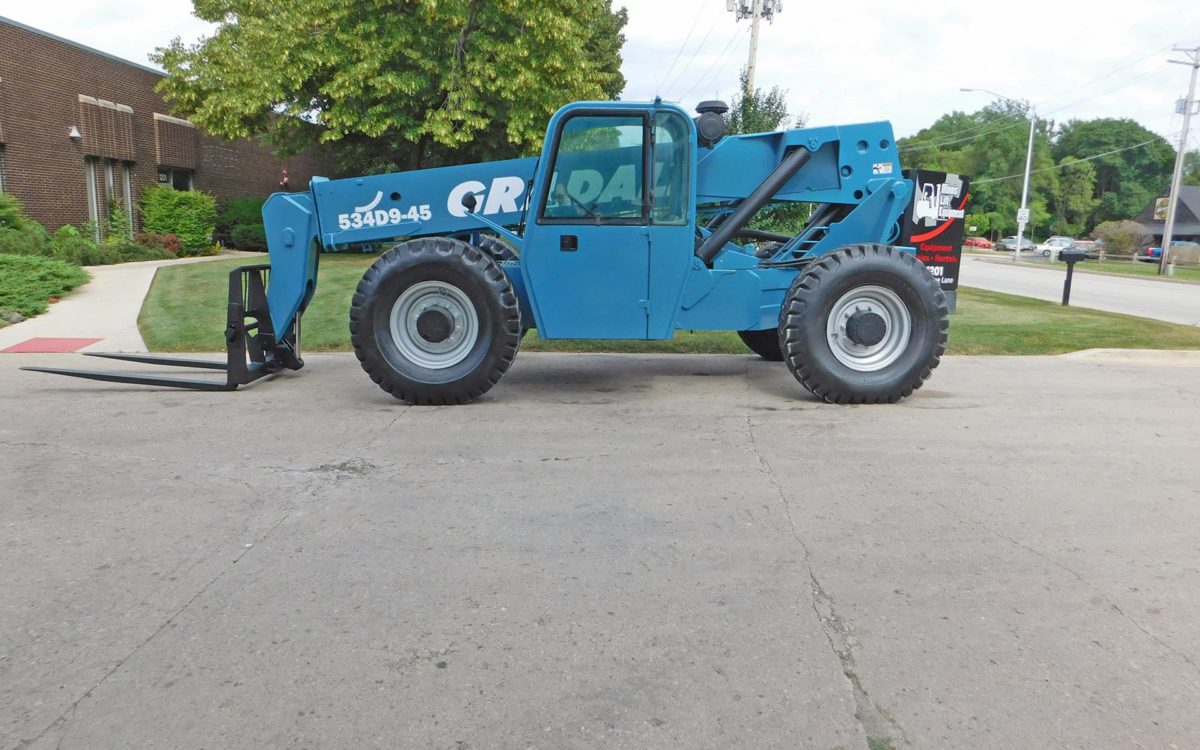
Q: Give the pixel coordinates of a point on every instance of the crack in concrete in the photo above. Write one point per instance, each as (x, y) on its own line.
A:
(1071, 571)
(879, 725)
(384, 431)
(64, 718)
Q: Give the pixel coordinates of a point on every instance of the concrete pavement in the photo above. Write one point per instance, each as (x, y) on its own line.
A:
(105, 308)
(607, 551)
(1174, 302)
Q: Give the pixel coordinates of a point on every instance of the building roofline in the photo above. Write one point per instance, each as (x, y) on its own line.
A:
(84, 47)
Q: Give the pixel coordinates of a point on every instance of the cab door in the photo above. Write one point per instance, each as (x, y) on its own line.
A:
(587, 251)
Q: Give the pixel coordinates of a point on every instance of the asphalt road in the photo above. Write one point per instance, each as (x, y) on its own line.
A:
(606, 552)
(1171, 301)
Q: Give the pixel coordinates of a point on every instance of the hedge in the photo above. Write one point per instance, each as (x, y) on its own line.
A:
(188, 214)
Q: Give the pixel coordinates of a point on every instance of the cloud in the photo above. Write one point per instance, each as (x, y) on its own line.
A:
(851, 61)
(859, 61)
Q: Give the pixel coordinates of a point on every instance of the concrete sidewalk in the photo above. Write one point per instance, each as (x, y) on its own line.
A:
(106, 308)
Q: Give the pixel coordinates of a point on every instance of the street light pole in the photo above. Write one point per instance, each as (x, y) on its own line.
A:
(1023, 213)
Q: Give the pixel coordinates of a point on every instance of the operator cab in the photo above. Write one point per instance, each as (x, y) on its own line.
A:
(611, 221)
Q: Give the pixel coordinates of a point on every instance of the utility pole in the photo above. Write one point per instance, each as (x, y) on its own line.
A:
(755, 10)
(1188, 104)
(1023, 211)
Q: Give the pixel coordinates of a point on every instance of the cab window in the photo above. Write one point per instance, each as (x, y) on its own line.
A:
(597, 174)
(670, 169)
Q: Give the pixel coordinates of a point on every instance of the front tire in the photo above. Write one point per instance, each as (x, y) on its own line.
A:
(435, 321)
(864, 324)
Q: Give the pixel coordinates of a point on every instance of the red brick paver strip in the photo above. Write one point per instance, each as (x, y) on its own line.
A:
(48, 345)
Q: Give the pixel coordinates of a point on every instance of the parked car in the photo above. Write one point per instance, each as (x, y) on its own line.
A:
(1088, 247)
(1153, 254)
(982, 242)
(1010, 244)
(1054, 244)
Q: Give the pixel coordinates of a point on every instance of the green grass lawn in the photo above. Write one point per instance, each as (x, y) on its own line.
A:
(1124, 267)
(185, 311)
(1137, 268)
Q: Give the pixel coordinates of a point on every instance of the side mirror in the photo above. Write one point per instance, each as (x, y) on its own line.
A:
(469, 202)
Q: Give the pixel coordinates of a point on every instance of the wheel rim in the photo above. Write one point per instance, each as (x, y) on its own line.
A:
(434, 324)
(897, 328)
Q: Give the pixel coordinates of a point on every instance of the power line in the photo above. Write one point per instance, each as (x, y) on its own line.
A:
(755, 10)
(923, 146)
(724, 54)
(1109, 74)
(686, 39)
(1122, 85)
(1067, 164)
(695, 52)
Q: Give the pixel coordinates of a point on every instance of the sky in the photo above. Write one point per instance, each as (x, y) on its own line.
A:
(844, 62)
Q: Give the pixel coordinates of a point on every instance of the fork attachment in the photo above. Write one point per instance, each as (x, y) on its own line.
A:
(252, 349)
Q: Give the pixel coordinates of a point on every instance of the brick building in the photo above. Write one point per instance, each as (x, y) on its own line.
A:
(80, 129)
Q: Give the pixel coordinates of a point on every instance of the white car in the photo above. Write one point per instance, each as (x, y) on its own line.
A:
(1053, 245)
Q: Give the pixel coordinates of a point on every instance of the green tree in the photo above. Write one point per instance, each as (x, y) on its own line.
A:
(1191, 168)
(762, 111)
(1125, 181)
(1075, 199)
(990, 145)
(392, 86)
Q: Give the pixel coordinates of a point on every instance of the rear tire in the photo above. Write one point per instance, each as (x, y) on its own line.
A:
(497, 248)
(435, 321)
(764, 343)
(864, 324)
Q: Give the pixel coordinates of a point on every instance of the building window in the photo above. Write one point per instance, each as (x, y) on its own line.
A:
(127, 189)
(110, 192)
(89, 177)
(1, 168)
(180, 179)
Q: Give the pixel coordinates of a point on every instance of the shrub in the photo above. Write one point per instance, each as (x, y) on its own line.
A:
(240, 224)
(234, 212)
(132, 252)
(12, 213)
(188, 214)
(1121, 237)
(117, 228)
(27, 283)
(70, 245)
(19, 234)
(249, 237)
(168, 243)
(29, 240)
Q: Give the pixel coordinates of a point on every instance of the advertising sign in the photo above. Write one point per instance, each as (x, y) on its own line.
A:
(1160, 208)
(934, 223)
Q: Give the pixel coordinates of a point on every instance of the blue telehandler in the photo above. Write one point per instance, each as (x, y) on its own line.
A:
(633, 223)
